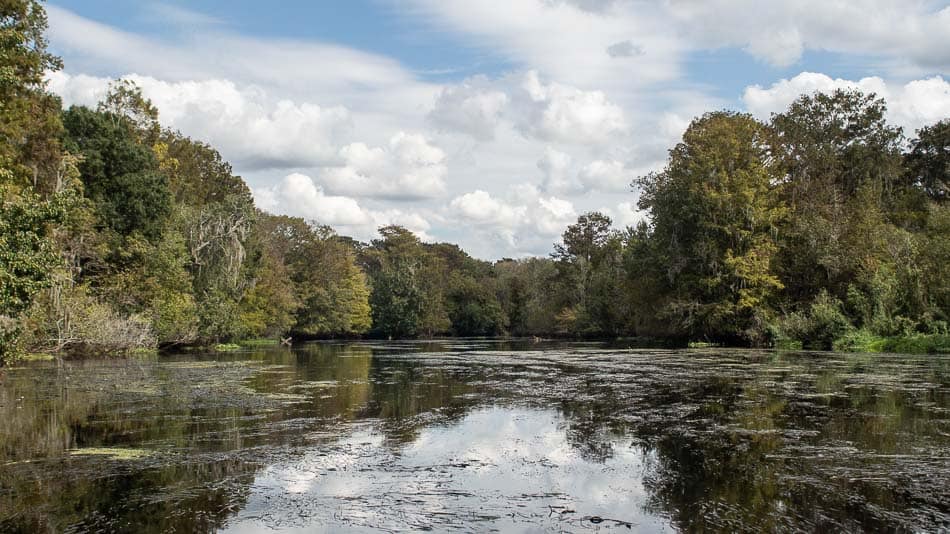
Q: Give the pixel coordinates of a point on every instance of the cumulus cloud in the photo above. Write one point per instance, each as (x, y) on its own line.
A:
(610, 175)
(625, 214)
(297, 195)
(555, 168)
(559, 112)
(248, 126)
(409, 167)
(546, 111)
(480, 207)
(470, 107)
(912, 105)
(522, 221)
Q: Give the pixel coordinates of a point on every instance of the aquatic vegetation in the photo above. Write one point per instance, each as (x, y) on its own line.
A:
(433, 435)
(114, 453)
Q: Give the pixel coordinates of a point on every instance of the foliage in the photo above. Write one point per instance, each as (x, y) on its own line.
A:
(927, 165)
(119, 173)
(819, 327)
(823, 227)
(26, 258)
(713, 221)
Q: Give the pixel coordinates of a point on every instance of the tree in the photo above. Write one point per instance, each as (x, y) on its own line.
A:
(397, 298)
(590, 266)
(927, 165)
(119, 173)
(269, 306)
(29, 161)
(126, 103)
(215, 237)
(713, 220)
(198, 175)
(839, 158)
(473, 308)
(26, 259)
(29, 115)
(333, 290)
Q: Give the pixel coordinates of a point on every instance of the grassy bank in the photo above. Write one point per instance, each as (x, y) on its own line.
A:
(864, 341)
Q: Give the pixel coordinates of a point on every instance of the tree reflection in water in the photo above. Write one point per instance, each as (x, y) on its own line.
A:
(505, 435)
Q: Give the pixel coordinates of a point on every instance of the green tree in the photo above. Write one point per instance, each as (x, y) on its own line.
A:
(713, 220)
(119, 173)
(590, 264)
(27, 257)
(29, 114)
(406, 299)
(474, 309)
(29, 163)
(839, 158)
(333, 290)
(927, 165)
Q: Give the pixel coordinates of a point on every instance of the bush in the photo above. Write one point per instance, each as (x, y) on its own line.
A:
(860, 340)
(919, 344)
(71, 318)
(824, 323)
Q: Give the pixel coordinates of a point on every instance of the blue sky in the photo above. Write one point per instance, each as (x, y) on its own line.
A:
(370, 25)
(493, 123)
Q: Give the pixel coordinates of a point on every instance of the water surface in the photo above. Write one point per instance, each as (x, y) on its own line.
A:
(477, 436)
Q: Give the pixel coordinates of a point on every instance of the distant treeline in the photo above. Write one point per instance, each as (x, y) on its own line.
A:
(824, 226)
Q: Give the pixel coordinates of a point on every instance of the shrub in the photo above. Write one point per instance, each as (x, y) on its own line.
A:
(820, 327)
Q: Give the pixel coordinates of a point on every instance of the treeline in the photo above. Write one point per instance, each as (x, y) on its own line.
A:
(825, 226)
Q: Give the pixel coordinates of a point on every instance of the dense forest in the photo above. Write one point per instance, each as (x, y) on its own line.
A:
(826, 226)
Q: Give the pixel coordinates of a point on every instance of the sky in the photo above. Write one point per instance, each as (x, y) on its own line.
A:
(491, 124)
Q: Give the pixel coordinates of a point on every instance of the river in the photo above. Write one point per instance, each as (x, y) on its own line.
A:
(476, 436)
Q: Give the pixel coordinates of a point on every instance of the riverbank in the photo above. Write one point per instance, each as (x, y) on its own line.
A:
(856, 341)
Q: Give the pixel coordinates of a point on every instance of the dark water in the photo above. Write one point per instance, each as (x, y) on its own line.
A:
(477, 436)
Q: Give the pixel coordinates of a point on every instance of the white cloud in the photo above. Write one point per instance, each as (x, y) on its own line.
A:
(779, 32)
(481, 208)
(911, 105)
(408, 168)
(550, 112)
(555, 167)
(297, 195)
(625, 214)
(609, 175)
(553, 215)
(470, 107)
(525, 222)
(249, 127)
(557, 112)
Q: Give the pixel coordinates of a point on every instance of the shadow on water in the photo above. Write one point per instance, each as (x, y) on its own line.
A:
(477, 434)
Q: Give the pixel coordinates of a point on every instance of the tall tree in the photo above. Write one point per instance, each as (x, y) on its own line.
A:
(29, 163)
(839, 158)
(713, 222)
(927, 165)
(120, 174)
